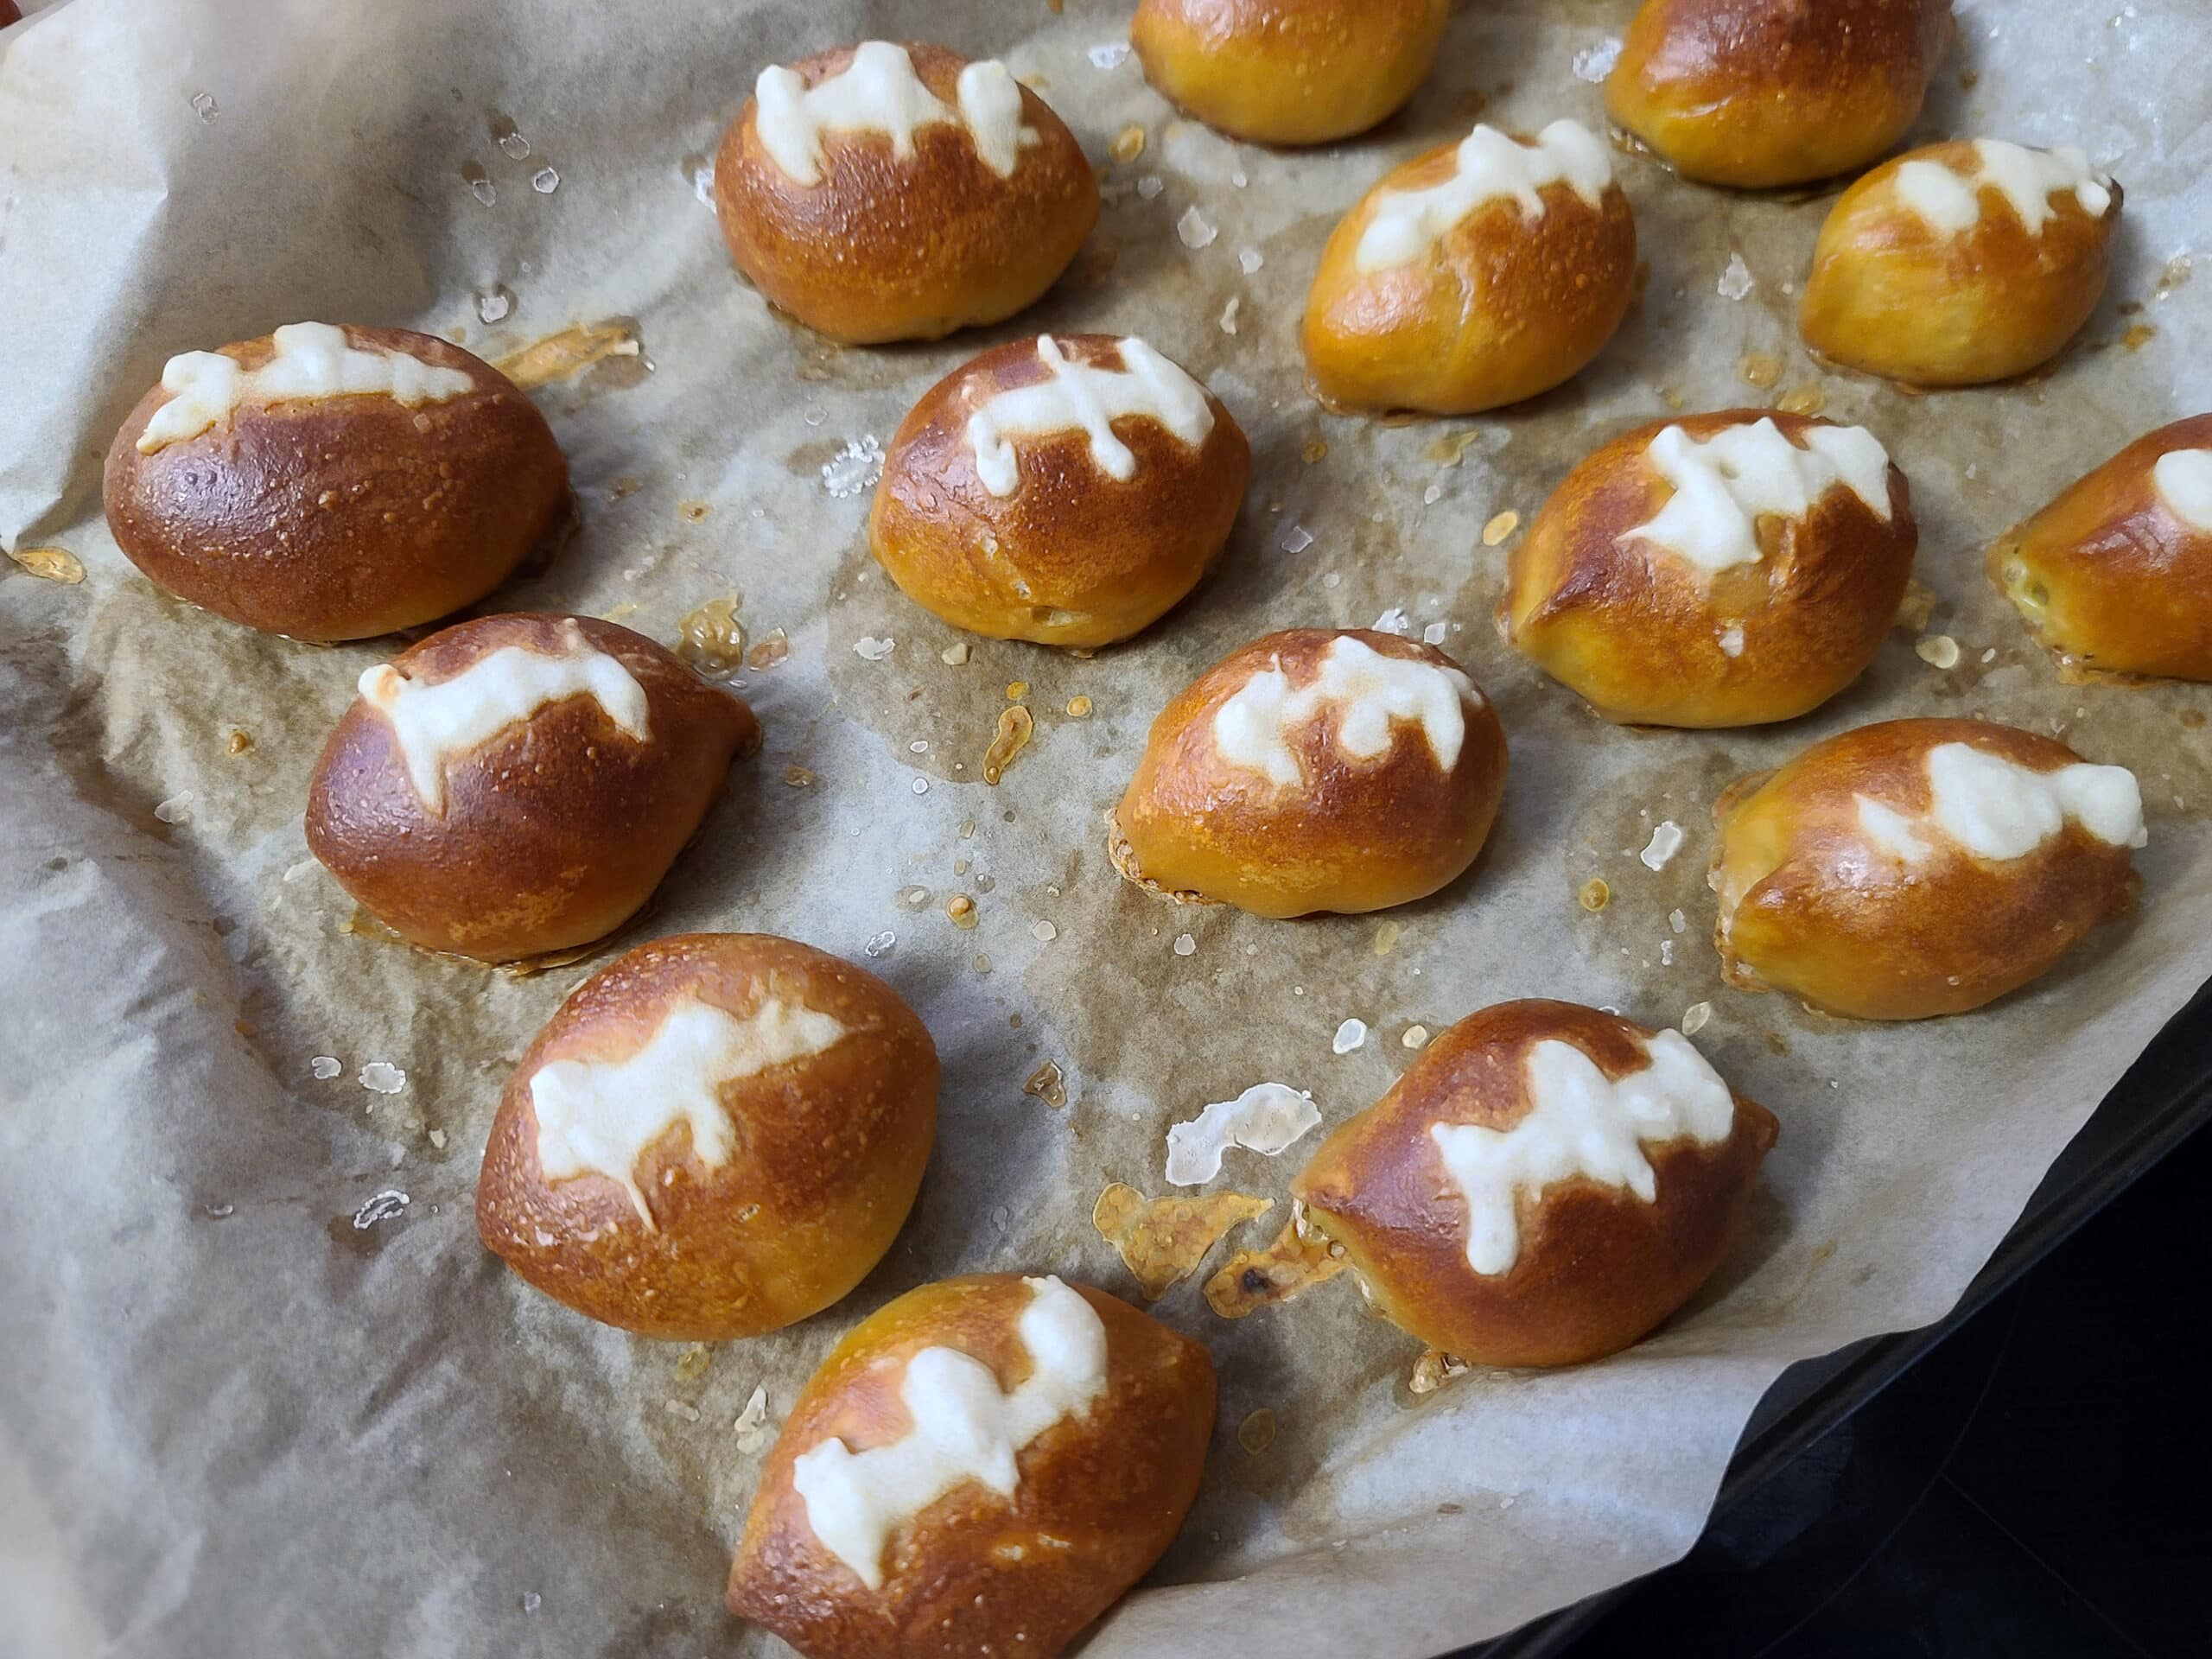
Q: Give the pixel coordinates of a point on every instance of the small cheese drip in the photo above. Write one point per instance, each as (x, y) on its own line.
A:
(435, 723)
(1407, 224)
(1725, 484)
(1364, 688)
(879, 91)
(964, 1428)
(312, 362)
(1266, 1118)
(1579, 1123)
(597, 1117)
(1079, 395)
(1951, 201)
(2184, 481)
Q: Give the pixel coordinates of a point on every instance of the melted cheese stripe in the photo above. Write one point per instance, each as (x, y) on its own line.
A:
(964, 1428)
(1579, 1123)
(1077, 395)
(879, 91)
(1364, 690)
(1725, 484)
(1407, 224)
(435, 724)
(1950, 201)
(597, 1117)
(1999, 809)
(312, 362)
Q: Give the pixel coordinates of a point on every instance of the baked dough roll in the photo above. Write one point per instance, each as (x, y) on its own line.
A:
(1961, 262)
(716, 1134)
(1067, 489)
(1476, 275)
(1919, 867)
(882, 192)
(1756, 93)
(333, 482)
(1542, 1186)
(2116, 573)
(1288, 71)
(1317, 769)
(1723, 569)
(519, 785)
(982, 1466)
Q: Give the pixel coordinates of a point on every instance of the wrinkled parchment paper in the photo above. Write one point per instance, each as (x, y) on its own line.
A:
(241, 1413)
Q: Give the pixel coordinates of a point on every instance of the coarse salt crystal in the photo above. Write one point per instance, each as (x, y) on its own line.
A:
(1044, 932)
(1108, 55)
(1666, 841)
(871, 648)
(324, 1067)
(1150, 185)
(382, 1077)
(1737, 280)
(1193, 230)
(1349, 1035)
(1251, 259)
(1394, 621)
(1593, 63)
(1185, 944)
(1435, 633)
(1296, 539)
(1694, 1016)
(1228, 313)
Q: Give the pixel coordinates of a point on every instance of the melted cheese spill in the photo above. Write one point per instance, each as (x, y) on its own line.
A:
(965, 1427)
(435, 723)
(1579, 1123)
(1996, 809)
(1079, 395)
(1407, 224)
(1366, 691)
(2027, 179)
(1724, 484)
(597, 1117)
(312, 362)
(1266, 1118)
(879, 91)
(2184, 481)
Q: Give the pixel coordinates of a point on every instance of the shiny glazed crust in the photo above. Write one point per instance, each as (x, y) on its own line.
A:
(1891, 295)
(884, 249)
(1502, 308)
(828, 1156)
(1359, 836)
(1636, 629)
(1101, 1495)
(2109, 576)
(1288, 71)
(555, 831)
(1757, 94)
(1598, 1267)
(1099, 558)
(1808, 907)
(341, 517)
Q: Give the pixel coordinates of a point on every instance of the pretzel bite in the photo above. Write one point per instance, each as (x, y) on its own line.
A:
(716, 1134)
(982, 1466)
(1314, 770)
(1542, 1186)
(1723, 569)
(1756, 93)
(1476, 275)
(333, 482)
(1288, 71)
(882, 192)
(519, 785)
(1961, 262)
(1919, 867)
(2116, 573)
(1066, 489)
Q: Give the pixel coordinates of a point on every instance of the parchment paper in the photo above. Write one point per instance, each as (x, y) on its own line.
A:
(236, 1418)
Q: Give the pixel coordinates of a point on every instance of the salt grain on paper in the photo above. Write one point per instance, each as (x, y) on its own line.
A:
(1395, 620)
(1108, 55)
(1251, 259)
(1296, 539)
(1414, 1036)
(1737, 280)
(880, 944)
(1266, 1118)
(1349, 1035)
(1435, 633)
(1228, 313)
(1694, 1016)
(1193, 230)
(176, 809)
(1044, 932)
(324, 1067)
(383, 1207)
(753, 1422)
(1186, 945)
(1594, 63)
(1666, 953)
(545, 180)
(856, 467)
(1937, 650)
(1666, 841)
(870, 649)
(1151, 184)
(383, 1078)
(204, 106)
(1679, 922)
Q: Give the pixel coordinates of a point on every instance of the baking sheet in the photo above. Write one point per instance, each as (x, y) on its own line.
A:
(239, 1413)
